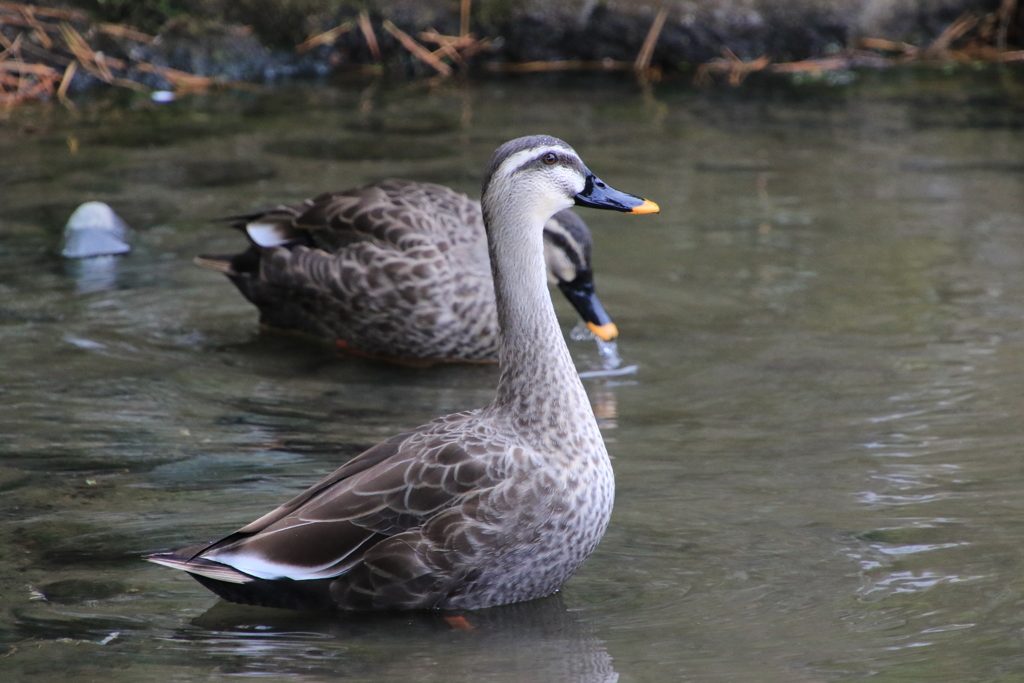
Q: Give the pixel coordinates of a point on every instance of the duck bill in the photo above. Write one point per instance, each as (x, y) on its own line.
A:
(599, 195)
(580, 293)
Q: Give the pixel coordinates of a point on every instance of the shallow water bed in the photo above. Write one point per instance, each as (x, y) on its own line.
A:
(817, 459)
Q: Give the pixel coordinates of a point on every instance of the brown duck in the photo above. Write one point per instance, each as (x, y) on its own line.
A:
(395, 270)
(475, 509)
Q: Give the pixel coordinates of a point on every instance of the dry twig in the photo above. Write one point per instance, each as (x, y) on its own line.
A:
(325, 38)
(371, 38)
(48, 12)
(732, 65)
(11, 48)
(416, 49)
(883, 45)
(811, 66)
(561, 65)
(20, 67)
(643, 58)
(964, 23)
(464, 18)
(85, 55)
(1006, 12)
(27, 68)
(37, 28)
(126, 32)
(458, 48)
(65, 81)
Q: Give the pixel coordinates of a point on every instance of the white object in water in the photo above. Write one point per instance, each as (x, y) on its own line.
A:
(94, 230)
(162, 96)
(611, 362)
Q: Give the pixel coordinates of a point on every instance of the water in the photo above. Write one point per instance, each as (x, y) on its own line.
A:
(818, 457)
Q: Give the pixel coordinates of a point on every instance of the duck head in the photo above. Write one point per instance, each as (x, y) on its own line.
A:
(552, 174)
(548, 176)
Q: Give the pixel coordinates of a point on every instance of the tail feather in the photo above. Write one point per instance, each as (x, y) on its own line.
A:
(221, 264)
(200, 567)
(236, 586)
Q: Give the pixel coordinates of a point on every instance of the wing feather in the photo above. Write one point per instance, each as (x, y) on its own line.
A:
(389, 490)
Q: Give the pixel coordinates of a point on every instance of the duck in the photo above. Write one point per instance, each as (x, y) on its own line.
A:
(486, 507)
(395, 270)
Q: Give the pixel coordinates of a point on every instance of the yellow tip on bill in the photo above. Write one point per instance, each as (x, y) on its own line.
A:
(605, 332)
(647, 207)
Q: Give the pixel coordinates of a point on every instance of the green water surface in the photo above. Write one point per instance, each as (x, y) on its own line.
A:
(820, 461)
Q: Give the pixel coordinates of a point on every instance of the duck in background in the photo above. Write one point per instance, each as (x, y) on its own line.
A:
(396, 270)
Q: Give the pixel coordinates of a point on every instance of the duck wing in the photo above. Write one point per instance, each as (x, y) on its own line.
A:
(389, 212)
(327, 530)
(397, 270)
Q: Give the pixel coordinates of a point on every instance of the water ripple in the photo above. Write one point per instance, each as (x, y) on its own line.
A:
(897, 582)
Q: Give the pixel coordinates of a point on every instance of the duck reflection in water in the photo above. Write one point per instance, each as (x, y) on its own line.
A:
(540, 640)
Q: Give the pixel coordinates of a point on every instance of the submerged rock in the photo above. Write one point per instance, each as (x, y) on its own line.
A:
(94, 230)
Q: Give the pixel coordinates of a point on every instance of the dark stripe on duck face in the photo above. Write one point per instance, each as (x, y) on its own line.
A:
(563, 242)
(568, 160)
(572, 227)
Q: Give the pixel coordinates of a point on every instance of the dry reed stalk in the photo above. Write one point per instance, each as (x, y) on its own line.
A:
(1006, 11)
(450, 51)
(20, 67)
(31, 50)
(964, 23)
(887, 46)
(20, 21)
(181, 81)
(643, 58)
(325, 38)
(741, 72)
(464, 18)
(416, 49)
(371, 37)
(101, 65)
(41, 87)
(459, 48)
(37, 78)
(65, 82)
(474, 48)
(561, 65)
(50, 13)
(811, 65)
(126, 32)
(736, 69)
(85, 54)
(11, 48)
(38, 29)
(457, 42)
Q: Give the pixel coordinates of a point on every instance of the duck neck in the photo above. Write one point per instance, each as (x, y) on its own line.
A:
(539, 389)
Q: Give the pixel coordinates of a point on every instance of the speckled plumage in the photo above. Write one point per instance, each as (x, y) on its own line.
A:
(475, 509)
(396, 270)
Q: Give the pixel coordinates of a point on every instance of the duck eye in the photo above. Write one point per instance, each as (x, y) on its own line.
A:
(549, 158)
